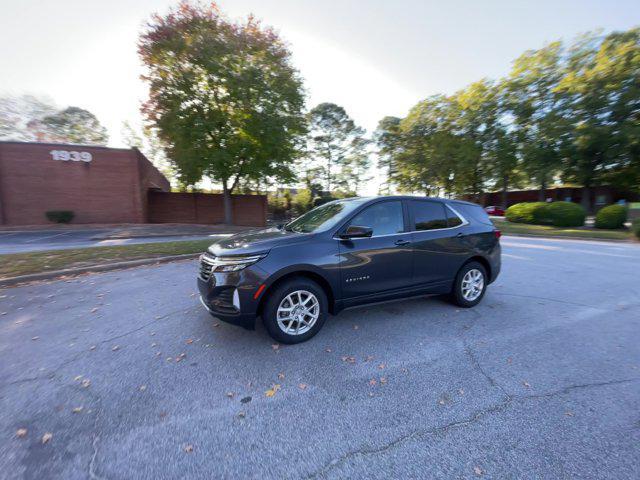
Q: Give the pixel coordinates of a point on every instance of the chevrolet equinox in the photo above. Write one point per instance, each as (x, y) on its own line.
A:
(346, 253)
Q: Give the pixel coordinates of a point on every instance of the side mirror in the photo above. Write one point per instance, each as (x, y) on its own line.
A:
(357, 231)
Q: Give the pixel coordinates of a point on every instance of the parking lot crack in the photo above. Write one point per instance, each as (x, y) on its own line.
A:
(579, 386)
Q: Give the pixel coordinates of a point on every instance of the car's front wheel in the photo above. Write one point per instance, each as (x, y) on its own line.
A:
(470, 285)
(295, 311)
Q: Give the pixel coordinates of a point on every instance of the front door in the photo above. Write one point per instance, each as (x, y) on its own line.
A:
(382, 262)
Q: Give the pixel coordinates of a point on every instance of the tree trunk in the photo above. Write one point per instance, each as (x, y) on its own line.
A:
(228, 208)
(543, 190)
(586, 198)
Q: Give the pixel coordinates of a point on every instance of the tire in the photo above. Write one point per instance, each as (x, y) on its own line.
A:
(282, 302)
(467, 296)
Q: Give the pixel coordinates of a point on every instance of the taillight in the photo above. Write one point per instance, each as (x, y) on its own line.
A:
(497, 233)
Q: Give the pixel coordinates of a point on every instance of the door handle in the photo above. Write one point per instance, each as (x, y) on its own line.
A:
(402, 243)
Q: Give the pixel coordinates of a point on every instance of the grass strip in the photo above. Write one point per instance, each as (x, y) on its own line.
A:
(547, 231)
(15, 264)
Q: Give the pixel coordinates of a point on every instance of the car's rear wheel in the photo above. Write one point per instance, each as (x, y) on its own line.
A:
(295, 311)
(470, 285)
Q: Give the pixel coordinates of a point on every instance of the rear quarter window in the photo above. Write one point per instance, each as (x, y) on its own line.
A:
(473, 213)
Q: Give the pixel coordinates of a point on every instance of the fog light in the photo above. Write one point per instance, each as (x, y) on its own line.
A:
(236, 299)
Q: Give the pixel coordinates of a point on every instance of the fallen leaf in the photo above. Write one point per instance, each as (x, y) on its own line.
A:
(328, 350)
(21, 432)
(368, 358)
(275, 346)
(154, 344)
(77, 409)
(46, 437)
(526, 384)
(86, 382)
(477, 470)
(245, 399)
(241, 414)
(349, 359)
(383, 380)
(142, 388)
(115, 347)
(230, 394)
(189, 342)
(302, 386)
(92, 347)
(35, 338)
(569, 414)
(216, 324)
(272, 391)
(373, 382)
(281, 376)
(381, 366)
(77, 378)
(181, 357)
(188, 448)
(461, 392)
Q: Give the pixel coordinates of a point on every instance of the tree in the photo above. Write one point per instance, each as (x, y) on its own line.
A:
(532, 100)
(337, 146)
(150, 144)
(18, 115)
(223, 95)
(600, 89)
(388, 139)
(74, 125)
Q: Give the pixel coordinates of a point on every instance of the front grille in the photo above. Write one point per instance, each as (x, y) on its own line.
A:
(206, 266)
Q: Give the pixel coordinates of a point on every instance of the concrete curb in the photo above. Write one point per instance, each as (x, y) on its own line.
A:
(13, 281)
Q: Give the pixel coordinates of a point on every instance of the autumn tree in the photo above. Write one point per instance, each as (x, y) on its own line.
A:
(19, 114)
(223, 95)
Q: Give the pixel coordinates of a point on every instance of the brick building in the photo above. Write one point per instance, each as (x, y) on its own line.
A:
(103, 185)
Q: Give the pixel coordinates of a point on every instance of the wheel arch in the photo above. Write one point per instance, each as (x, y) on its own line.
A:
(482, 261)
(298, 272)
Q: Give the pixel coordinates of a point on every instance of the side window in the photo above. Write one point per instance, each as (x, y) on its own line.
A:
(473, 213)
(428, 215)
(384, 218)
(453, 220)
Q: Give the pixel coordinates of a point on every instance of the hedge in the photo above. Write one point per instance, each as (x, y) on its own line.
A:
(636, 227)
(558, 214)
(612, 216)
(60, 216)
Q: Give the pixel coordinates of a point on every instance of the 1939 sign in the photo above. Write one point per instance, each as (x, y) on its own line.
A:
(74, 156)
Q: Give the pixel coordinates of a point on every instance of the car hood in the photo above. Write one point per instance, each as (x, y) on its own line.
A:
(254, 241)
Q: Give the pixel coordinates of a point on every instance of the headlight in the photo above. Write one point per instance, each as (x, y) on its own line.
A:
(231, 264)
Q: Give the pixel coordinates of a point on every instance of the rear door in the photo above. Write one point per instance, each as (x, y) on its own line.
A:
(382, 262)
(439, 243)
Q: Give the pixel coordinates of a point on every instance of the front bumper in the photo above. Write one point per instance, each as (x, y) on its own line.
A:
(230, 296)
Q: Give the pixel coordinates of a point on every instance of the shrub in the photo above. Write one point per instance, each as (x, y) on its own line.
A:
(523, 212)
(302, 202)
(558, 214)
(562, 214)
(611, 216)
(60, 216)
(636, 227)
(277, 206)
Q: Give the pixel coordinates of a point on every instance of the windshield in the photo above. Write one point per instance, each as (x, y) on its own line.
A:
(323, 217)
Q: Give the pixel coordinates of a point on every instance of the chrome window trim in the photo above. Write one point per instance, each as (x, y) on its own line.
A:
(464, 223)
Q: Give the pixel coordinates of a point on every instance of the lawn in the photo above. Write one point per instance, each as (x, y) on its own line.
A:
(16, 264)
(509, 228)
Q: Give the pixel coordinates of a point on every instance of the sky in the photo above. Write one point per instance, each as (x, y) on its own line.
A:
(373, 57)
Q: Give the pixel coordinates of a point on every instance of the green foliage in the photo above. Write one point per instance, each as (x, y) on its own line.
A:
(337, 149)
(302, 202)
(561, 214)
(526, 212)
(224, 96)
(558, 214)
(635, 226)
(611, 216)
(277, 206)
(567, 111)
(60, 216)
(74, 125)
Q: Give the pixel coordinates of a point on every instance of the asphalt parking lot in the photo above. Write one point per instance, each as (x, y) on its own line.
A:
(133, 379)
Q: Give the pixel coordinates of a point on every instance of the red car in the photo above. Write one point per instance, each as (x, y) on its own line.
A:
(493, 210)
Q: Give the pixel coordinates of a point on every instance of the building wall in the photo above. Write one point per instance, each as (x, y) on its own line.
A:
(111, 188)
(206, 208)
